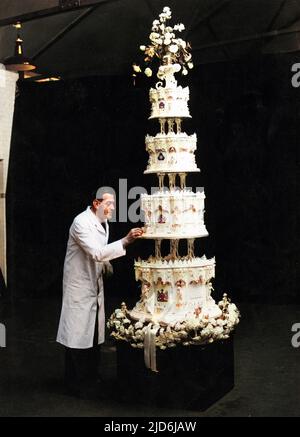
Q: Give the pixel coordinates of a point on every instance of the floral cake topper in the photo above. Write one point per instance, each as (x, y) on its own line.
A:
(165, 47)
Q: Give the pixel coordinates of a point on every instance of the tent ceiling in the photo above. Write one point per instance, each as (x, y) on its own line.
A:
(79, 37)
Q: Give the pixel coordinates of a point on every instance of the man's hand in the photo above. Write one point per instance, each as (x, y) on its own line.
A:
(132, 235)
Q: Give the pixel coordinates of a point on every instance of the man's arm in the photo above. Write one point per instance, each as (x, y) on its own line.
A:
(86, 241)
(83, 237)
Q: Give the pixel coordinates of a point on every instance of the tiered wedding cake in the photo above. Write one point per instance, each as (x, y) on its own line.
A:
(175, 304)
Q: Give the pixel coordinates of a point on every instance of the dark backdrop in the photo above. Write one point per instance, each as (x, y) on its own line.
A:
(74, 136)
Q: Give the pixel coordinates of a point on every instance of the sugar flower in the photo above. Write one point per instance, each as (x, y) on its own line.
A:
(165, 48)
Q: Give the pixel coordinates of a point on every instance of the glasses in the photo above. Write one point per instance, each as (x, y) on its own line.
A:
(107, 202)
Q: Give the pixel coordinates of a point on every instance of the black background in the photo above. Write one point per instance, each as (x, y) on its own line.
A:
(74, 136)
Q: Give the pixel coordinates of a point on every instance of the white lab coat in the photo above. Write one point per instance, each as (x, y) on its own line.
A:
(87, 249)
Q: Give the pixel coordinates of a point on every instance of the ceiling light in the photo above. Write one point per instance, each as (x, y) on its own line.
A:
(19, 62)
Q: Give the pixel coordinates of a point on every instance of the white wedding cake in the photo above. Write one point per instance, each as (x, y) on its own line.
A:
(175, 306)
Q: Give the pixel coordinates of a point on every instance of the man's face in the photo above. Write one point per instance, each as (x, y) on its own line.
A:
(105, 208)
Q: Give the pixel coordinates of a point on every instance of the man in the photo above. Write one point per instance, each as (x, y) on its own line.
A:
(82, 321)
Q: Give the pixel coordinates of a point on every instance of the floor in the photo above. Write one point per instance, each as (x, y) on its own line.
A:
(267, 376)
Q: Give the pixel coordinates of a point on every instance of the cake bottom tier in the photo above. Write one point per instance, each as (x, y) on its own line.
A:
(173, 314)
(175, 307)
(175, 290)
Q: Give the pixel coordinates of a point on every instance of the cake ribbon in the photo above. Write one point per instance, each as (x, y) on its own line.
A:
(150, 347)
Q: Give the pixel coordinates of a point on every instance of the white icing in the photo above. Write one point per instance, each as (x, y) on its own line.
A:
(169, 102)
(175, 214)
(175, 290)
(171, 152)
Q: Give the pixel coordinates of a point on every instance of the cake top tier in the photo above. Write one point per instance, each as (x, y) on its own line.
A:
(167, 54)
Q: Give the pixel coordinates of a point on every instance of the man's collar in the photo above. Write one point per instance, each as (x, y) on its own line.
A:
(95, 220)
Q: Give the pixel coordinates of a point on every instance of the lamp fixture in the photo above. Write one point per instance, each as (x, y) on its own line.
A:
(19, 62)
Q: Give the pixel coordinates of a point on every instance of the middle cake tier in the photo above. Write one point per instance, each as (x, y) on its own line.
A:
(173, 214)
(171, 152)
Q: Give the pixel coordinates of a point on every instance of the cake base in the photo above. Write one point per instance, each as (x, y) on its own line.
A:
(189, 377)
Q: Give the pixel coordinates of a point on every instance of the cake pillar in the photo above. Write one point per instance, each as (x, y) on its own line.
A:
(182, 177)
(158, 249)
(190, 251)
(161, 178)
(174, 249)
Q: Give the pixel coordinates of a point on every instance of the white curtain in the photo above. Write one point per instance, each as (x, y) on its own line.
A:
(7, 103)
